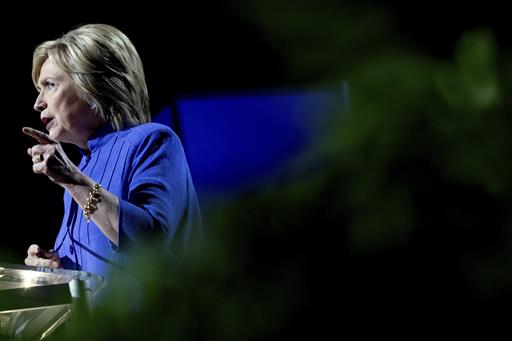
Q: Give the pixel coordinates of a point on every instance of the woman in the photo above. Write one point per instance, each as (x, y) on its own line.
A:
(133, 182)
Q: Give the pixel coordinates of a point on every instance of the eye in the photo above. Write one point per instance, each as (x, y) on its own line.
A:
(49, 85)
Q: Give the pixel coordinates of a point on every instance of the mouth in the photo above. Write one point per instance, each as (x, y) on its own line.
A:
(48, 122)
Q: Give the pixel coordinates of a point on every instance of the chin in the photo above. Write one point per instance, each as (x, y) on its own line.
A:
(54, 134)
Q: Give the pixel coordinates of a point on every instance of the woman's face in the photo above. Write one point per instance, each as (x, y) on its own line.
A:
(67, 117)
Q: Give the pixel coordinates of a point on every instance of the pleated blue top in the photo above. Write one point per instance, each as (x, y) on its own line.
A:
(146, 168)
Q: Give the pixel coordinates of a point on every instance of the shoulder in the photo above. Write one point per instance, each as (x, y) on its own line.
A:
(147, 133)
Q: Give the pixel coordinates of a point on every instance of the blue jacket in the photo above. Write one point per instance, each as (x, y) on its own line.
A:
(146, 168)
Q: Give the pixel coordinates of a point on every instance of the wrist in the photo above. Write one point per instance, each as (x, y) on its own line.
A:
(93, 198)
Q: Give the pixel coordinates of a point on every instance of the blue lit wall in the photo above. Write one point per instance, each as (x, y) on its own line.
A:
(238, 141)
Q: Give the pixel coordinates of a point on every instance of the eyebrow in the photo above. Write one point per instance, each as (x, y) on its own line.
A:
(42, 81)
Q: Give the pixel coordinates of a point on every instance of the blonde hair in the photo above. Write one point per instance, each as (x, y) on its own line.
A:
(106, 70)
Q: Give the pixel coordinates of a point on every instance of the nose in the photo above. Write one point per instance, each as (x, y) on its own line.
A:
(40, 103)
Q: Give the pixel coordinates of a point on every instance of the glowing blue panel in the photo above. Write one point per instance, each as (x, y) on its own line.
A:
(238, 141)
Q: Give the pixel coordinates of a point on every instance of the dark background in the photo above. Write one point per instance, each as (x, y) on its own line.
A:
(186, 48)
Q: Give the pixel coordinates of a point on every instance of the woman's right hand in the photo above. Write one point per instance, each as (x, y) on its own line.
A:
(39, 257)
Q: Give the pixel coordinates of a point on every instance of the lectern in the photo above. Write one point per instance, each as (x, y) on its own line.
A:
(35, 301)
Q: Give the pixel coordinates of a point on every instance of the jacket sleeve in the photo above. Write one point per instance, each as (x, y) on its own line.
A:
(157, 190)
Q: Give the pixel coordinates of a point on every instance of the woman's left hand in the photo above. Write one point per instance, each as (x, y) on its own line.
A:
(49, 159)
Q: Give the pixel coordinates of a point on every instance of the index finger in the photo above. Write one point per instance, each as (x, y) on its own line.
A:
(41, 137)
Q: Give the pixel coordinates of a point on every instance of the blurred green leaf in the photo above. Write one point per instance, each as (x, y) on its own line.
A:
(472, 84)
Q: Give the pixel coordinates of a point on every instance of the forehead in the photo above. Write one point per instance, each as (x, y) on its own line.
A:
(50, 69)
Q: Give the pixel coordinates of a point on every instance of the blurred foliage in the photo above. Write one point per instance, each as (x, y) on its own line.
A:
(408, 212)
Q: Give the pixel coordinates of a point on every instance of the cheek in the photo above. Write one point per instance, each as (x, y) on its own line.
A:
(65, 114)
